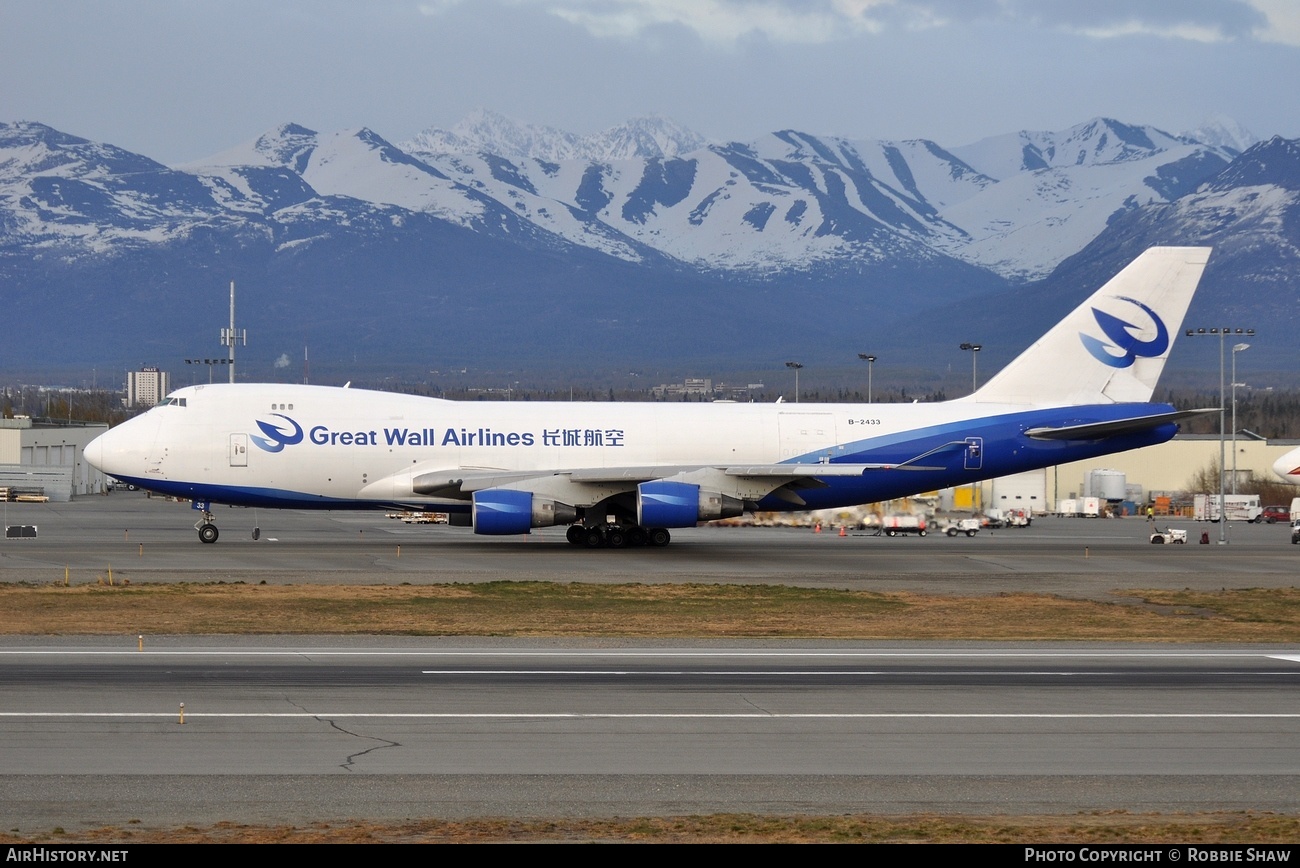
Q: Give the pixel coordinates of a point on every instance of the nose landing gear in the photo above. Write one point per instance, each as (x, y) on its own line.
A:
(208, 532)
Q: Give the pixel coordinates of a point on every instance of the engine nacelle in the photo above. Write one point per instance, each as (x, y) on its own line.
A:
(681, 504)
(502, 511)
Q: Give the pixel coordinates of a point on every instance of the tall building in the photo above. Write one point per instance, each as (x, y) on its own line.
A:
(147, 387)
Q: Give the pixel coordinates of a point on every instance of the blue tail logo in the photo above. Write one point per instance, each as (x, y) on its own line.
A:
(276, 437)
(1120, 337)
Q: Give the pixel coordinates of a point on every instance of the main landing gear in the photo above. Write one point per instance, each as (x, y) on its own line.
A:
(617, 536)
(208, 532)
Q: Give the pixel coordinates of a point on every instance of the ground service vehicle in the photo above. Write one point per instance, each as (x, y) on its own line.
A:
(968, 526)
(1168, 535)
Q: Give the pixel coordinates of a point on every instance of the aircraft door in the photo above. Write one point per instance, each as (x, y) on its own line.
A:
(974, 453)
(238, 450)
(810, 436)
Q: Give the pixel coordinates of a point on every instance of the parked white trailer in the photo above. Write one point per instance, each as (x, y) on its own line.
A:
(1236, 507)
(897, 525)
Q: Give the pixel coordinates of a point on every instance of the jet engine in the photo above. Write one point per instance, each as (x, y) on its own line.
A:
(500, 511)
(681, 504)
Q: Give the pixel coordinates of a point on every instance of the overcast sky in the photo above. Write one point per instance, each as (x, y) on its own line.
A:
(178, 80)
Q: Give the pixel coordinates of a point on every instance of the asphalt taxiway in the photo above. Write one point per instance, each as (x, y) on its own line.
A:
(152, 539)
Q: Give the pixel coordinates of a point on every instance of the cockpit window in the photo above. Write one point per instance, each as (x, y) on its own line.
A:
(172, 402)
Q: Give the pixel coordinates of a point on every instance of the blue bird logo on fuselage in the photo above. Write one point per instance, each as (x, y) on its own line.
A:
(276, 437)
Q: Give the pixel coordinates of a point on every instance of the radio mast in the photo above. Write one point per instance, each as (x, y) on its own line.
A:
(230, 336)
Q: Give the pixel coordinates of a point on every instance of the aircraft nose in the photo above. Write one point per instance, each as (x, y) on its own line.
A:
(1288, 467)
(94, 452)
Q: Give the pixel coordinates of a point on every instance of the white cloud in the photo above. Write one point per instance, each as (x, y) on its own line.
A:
(436, 7)
(1283, 21)
(723, 20)
(822, 21)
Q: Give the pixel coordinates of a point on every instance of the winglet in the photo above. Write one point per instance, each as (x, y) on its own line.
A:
(1111, 348)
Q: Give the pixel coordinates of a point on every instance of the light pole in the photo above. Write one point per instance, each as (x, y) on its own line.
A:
(974, 350)
(795, 366)
(1221, 334)
(871, 363)
(1236, 348)
(974, 385)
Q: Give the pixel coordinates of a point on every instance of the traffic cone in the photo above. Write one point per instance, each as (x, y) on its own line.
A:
(817, 528)
(843, 532)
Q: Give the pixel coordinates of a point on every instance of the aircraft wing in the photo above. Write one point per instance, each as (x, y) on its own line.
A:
(1102, 430)
(463, 482)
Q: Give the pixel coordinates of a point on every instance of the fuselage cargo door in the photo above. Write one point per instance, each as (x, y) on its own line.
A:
(808, 436)
(238, 450)
(974, 453)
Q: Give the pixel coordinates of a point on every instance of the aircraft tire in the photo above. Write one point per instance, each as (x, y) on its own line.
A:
(615, 538)
(595, 539)
(208, 533)
(636, 536)
(576, 534)
(659, 536)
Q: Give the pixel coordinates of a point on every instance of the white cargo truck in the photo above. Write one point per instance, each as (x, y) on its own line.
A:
(1236, 507)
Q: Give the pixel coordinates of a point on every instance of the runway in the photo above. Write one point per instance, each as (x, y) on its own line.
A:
(397, 728)
(294, 730)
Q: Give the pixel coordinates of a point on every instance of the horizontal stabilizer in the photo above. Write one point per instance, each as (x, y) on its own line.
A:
(1101, 430)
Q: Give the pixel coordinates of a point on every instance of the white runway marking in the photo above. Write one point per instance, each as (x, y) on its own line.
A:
(1000, 673)
(566, 715)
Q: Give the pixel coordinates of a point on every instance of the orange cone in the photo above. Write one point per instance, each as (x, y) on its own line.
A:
(817, 528)
(843, 532)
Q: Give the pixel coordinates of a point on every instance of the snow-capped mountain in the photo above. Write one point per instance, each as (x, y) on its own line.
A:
(496, 218)
(1223, 132)
(485, 131)
(1016, 204)
(789, 202)
(1250, 214)
(60, 189)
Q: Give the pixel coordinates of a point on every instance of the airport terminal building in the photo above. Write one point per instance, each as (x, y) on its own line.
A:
(46, 458)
